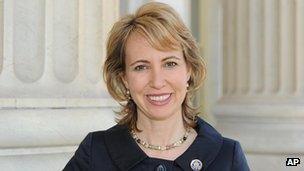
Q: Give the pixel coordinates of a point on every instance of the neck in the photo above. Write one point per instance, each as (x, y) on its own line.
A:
(161, 132)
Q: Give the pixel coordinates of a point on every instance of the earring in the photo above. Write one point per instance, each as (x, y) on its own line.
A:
(128, 95)
(194, 118)
(187, 86)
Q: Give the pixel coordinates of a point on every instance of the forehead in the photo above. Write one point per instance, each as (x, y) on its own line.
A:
(136, 42)
(139, 46)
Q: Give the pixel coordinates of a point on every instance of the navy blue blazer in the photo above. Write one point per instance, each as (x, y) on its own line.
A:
(115, 149)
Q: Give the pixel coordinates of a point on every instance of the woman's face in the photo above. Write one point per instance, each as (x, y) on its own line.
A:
(157, 80)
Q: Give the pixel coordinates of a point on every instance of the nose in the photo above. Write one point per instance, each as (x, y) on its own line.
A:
(157, 78)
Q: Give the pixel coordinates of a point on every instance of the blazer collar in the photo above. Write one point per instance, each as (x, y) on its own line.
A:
(126, 153)
(205, 147)
(122, 148)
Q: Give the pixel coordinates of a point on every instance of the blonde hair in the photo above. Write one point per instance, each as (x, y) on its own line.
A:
(164, 30)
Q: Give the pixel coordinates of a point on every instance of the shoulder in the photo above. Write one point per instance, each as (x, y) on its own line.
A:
(115, 148)
(229, 146)
(206, 131)
(91, 151)
(99, 136)
(232, 149)
(112, 134)
(227, 152)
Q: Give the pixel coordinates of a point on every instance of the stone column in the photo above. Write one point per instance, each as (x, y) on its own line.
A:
(51, 88)
(255, 56)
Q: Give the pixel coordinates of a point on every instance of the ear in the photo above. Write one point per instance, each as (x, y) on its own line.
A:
(124, 80)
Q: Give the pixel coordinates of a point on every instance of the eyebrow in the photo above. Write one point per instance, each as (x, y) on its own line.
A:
(170, 57)
(146, 61)
(138, 61)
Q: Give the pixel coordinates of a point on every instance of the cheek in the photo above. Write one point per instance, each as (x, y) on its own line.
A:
(137, 82)
(181, 84)
(179, 78)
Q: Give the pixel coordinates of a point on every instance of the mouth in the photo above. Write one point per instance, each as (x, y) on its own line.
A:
(159, 99)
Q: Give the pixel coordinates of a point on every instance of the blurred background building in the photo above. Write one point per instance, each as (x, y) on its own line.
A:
(52, 92)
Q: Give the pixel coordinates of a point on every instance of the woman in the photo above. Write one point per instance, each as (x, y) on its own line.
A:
(152, 68)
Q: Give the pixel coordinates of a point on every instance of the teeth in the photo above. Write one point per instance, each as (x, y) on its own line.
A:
(159, 98)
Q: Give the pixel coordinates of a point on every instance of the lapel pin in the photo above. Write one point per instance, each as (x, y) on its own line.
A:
(196, 165)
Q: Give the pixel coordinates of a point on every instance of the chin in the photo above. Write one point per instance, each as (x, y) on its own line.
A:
(160, 115)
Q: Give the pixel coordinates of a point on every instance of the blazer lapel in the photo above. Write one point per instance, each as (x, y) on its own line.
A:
(122, 148)
(205, 147)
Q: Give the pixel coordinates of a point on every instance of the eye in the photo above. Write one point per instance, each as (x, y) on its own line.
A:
(170, 64)
(140, 68)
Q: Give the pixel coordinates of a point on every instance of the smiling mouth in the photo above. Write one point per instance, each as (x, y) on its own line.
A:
(159, 98)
